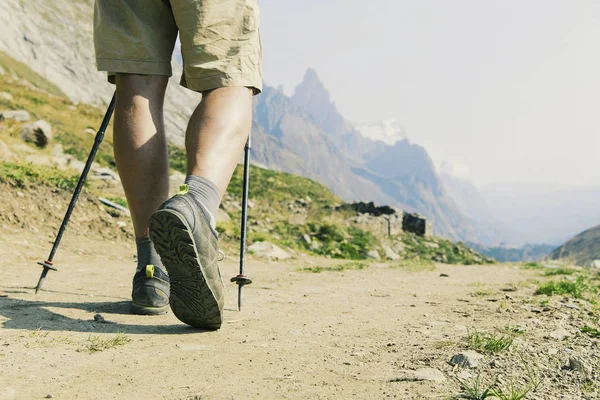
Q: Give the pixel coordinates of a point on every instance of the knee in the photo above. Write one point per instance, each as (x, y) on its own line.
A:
(150, 87)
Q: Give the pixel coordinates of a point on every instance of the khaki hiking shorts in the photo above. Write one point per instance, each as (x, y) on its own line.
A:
(220, 41)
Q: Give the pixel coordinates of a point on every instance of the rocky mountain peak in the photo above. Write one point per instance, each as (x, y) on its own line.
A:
(312, 95)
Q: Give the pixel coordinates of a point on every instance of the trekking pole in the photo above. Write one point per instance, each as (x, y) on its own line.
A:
(48, 264)
(242, 279)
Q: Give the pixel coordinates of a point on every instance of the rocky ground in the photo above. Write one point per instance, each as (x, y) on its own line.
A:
(378, 330)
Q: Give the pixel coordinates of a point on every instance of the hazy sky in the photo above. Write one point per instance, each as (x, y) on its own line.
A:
(510, 89)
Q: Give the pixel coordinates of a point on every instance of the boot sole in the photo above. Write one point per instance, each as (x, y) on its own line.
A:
(191, 300)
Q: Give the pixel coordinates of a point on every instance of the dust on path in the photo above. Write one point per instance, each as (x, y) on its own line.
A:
(301, 335)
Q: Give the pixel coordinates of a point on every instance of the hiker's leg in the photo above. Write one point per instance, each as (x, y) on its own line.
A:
(140, 145)
(217, 133)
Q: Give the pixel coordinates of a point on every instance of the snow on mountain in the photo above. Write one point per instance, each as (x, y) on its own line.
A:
(388, 131)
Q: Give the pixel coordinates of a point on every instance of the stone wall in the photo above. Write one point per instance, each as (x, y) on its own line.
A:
(416, 224)
(386, 221)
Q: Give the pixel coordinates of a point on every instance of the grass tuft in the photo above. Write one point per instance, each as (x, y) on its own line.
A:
(559, 271)
(337, 268)
(24, 174)
(97, 343)
(591, 332)
(575, 289)
(491, 343)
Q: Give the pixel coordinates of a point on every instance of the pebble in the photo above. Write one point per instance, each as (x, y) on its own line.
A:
(560, 334)
(466, 359)
(576, 365)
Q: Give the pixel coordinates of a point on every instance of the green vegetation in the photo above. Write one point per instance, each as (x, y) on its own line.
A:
(490, 342)
(505, 389)
(98, 343)
(575, 288)
(118, 200)
(533, 265)
(591, 332)
(337, 268)
(68, 121)
(582, 250)
(441, 250)
(11, 65)
(477, 389)
(415, 264)
(559, 271)
(277, 187)
(514, 330)
(22, 175)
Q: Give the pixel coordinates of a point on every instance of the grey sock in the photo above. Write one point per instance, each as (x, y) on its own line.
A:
(206, 193)
(146, 255)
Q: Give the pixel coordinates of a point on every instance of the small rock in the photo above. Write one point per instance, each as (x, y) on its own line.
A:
(6, 96)
(20, 194)
(268, 250)
(49, 396)
(495, 364)
(99, 318)
(444, 275)
(573, 306)
(560, 334)
(17, 115)
(466, 359)
(576, 365)
(307, 238)
(38, 132)
(106, 174)
(552, 351)
(431, 245)
(89, 131)
(374, 254)
(121, 224)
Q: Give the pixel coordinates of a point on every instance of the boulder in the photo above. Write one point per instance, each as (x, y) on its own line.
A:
(268, 250)
(390, 254)
(374, 254)
(38, 132)
(17, 115)
(595, 264)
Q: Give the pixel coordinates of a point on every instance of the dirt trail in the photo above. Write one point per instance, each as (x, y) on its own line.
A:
(301, 335)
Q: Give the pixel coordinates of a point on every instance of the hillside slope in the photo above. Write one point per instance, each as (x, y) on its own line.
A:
(582, 250)
(55, 39)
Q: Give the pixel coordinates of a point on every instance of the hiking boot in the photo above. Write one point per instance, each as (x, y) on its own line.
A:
(150, 294)
(188, 247)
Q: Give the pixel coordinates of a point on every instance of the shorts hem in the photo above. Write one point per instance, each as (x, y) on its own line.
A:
(113, 66)
(223, 80)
